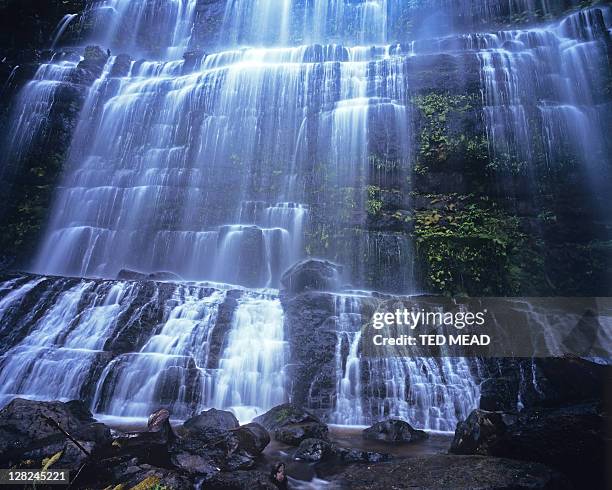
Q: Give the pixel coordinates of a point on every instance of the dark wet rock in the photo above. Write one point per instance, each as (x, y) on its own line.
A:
(130, 275)
(121, 66)
(448, 471)
(164, 276)
(481, 433)
(350, 455)
(312, 275)
(393, 430)
(212, 420)
(159, 421)
(88, 70)
(26, 433)
(225, 316)
(498, 394)
(239, 480)
(296, 433)
(253, 437)
(554, 382)
(311, 330)
(570, 439)
(314, 450)
(214, 439)
(291, 425)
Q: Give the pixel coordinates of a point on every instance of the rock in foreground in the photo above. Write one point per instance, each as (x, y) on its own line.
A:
(27, 434)
(569, 439)
(314, 450)
(291, 425)
(393, 430)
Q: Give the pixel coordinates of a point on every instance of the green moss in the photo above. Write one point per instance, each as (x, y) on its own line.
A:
(446, 130)
(374, 203)
(469, 247)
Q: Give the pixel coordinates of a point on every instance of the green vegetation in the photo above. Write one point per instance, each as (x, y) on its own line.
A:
(469, 246)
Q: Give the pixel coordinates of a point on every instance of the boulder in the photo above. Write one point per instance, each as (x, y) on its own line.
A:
(312, 275)
(293, 435)
(160, 422)
(481, 433)
(570, 439)
(27, 433)
(393, 430)
(214, 439)
(253, 438)
(291, 425)
(162, 276)
(130, 275)
(212, 420)
(312, 450)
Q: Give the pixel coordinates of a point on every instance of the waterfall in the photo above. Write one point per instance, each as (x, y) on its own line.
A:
(118, 207)
(293, 137)
(169, 368)
(430, 393)
(61, 28)
(348, 409)
(56, 357)
(518, 103)
(127, 348)
(31, 110)
(251, 377)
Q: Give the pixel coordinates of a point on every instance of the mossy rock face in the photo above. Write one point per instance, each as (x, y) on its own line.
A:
(469, 246)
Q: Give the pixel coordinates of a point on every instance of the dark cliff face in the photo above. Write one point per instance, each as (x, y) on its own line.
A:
(27, 181)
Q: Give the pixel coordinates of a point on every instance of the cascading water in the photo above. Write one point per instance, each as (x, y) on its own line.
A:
(31, 111)
(251, 378)
(233, 165)
(426, 392)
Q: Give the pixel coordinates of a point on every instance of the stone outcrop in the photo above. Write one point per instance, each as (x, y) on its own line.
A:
(29, 431)
(570, 439)
(393, 430)
(291, 425)
(312, 275)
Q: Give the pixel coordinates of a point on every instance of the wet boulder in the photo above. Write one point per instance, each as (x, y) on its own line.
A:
(214, 439)
(393, 430)
(212, 420)
(159, 422)
(30, 430)
(481, 433)
(253, 438)
(570, 439)
(312, 275)
(312, 450)
(130, 275)
(291, 425)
